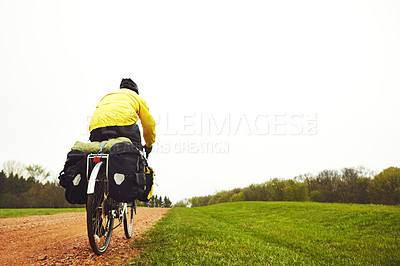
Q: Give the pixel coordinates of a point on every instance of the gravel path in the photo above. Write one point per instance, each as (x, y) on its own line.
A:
(62, 239)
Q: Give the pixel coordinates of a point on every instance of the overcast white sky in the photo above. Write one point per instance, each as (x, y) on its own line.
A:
(242, 91)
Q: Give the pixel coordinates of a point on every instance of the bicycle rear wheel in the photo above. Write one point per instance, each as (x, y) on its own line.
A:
(128, 219)
(100, 220)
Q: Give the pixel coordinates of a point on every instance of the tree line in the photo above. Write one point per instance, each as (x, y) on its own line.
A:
(19, 192)
(36, 191)
(349, 185)
(157, 201)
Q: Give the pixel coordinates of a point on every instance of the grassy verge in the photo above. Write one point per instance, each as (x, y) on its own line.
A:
(9, 213)
(275, 233)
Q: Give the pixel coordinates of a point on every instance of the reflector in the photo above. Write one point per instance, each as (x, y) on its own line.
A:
(96, 159)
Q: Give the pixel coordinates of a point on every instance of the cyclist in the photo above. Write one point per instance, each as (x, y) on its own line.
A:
(116, 116)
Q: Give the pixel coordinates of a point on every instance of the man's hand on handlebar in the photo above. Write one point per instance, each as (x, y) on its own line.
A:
(147, 150)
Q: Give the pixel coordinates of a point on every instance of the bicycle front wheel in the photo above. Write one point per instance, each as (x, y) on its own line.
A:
(128, 219)
(99, 216)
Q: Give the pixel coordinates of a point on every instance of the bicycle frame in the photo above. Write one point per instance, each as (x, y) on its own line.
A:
(99, 160)
(99, 206)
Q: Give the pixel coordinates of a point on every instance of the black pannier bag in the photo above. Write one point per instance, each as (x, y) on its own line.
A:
(129, 177)
(123, 165)
(73, 177)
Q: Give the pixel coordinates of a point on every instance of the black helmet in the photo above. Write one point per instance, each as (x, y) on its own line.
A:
(129, 84)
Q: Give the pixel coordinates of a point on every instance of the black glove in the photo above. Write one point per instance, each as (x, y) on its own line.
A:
(147, 150)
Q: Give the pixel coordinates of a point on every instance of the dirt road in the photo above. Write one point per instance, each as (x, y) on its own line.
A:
(62, 239)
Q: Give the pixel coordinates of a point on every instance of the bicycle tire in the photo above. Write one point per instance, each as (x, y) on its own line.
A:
(128, 220)
(100, 220)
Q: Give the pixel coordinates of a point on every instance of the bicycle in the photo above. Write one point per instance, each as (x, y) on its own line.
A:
(101, 209)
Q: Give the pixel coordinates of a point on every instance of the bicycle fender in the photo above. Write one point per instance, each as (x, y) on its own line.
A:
(93, 176)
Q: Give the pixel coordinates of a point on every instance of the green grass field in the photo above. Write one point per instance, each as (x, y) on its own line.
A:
(10, 213)
(275, 233)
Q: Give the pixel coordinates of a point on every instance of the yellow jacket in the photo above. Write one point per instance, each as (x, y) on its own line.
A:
(124, 107)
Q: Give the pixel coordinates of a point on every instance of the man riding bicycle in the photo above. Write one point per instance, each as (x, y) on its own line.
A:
(116, 116)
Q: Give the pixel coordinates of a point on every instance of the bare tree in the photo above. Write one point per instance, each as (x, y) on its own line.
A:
(13, 167)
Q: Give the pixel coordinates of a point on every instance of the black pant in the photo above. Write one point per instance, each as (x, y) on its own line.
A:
(104, 133)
